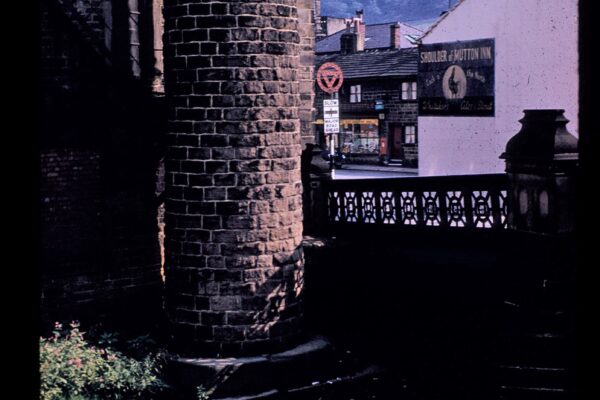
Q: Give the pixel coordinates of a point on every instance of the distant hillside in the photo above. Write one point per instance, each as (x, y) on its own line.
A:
(377, 11)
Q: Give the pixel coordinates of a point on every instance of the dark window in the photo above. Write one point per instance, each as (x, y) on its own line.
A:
(409, 90)
(355, 96)
(410, 134)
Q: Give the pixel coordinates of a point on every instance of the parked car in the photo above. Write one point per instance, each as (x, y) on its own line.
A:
(338, 158)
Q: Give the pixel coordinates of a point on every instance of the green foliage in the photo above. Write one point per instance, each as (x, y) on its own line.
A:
(141, 345)
(71, 368)
(201, 393)
(108, 339)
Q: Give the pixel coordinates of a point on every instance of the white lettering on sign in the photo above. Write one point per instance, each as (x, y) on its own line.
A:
(331, 116)
(332, 126)
(454, 55)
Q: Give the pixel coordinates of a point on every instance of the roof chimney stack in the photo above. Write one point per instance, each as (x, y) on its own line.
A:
(395, 36)
(347, 39)
(359, 32)
(352, 41)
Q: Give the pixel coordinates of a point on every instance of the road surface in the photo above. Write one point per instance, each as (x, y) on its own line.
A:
(362, 174)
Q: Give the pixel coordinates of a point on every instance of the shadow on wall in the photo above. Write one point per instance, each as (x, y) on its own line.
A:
(262, 314)
(101, 142)
(442, 311)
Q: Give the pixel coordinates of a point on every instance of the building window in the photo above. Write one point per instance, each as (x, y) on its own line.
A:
(355, 94)
(359, 136)
(410, 134)
(409, 90)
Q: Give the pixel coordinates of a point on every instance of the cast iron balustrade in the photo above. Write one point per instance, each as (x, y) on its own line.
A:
(443, 202)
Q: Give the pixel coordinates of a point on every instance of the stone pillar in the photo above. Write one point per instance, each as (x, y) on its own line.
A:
(233, 212)
(306, 28)
(541, 162)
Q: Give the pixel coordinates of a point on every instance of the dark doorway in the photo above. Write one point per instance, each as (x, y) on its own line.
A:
(396, 151)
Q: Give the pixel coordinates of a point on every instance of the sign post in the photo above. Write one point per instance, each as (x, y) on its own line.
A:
(331, 116)
(330, 78)
(331, 122)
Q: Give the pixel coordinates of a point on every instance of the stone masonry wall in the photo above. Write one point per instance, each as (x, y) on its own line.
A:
(100, 257)
(70, 205)
(233, 212)
(306, 18)
(95, 13)
(398, 111)
(85, 276)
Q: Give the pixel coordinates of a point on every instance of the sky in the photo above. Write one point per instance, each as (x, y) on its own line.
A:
(377, 11)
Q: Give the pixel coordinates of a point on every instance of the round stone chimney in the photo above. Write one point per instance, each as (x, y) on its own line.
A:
(233, 211)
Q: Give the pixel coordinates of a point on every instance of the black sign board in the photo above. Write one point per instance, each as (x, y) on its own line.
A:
(457, 78)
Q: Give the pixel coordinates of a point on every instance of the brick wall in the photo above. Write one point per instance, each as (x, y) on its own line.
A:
(100, 257)
(70, 204)
(233, 212)
(95, 265)
(95, 13)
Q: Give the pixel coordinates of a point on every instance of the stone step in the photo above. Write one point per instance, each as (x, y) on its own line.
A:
(517, 319)
(532, 376)
(539, 298)
(531, 393)
(340, 387)
(365, 382)
(268, 395)
(540, 349)
(265, 375)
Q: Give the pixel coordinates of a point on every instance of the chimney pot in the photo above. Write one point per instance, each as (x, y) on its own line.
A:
(360, 14)
(395, 36)
(353, 41)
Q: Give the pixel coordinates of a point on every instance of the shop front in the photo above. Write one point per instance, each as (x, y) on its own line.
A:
(359, 139)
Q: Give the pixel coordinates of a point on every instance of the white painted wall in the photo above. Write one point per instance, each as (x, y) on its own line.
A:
(536, 65)
(408, 30)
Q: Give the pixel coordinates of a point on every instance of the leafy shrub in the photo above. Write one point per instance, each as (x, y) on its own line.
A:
(73, 369)
(201, 393)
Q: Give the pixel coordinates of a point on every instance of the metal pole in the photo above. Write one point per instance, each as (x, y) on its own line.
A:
(331, 149)
(134, 37)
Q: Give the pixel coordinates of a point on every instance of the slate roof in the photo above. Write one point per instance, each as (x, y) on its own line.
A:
(374, 64)
(377, 36)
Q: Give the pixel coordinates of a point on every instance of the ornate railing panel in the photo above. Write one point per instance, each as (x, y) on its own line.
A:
(442, 202)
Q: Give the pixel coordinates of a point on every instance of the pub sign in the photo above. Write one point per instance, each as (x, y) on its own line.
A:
(457, 78)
